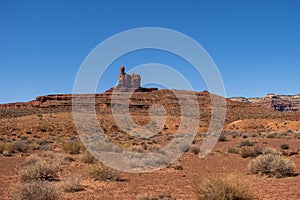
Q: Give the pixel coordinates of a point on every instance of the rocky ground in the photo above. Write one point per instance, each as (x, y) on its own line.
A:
(45, 128)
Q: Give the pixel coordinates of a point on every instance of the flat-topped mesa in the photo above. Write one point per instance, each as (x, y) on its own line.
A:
(130, 82)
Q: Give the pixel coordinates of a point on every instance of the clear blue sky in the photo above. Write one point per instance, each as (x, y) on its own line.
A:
(255, 43)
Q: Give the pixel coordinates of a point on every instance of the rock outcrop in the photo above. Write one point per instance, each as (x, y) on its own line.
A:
(128, 82)
(283, 103)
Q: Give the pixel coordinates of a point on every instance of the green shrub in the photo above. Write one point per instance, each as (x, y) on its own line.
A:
(37, 190)
(272, 166)
(230, 187)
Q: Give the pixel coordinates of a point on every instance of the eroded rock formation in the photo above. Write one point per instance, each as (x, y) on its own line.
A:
(128, 82)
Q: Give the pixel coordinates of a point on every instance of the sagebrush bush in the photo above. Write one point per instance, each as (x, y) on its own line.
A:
(72, 183)
(20, 146)
(37, 190)
(155, 197)
(194, 149)
(230, 187)
(269, 150)
(272, 166)
(246, 143)
(72, 147)
(233, 150)
(63, 159)
(6, 147)
(222, 138)
(32, 159)
(249, 152)
(104, 173)
(284, 146)
(38, 170)
(87, 158)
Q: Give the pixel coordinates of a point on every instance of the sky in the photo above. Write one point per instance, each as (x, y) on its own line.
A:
(254, 43)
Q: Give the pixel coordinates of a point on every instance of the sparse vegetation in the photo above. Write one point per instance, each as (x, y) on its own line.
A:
(272, 166)
(72, 147)
(230, 187)
(6, 148)
(246, 143)
(222, 137)
(20, 146)
(155, 197)
(284, 146)
(37, 190)
(194, 149)
(233, 150)
(38, 170)
(72, 183)
(104, 173)
(87, 158)
(247, 152)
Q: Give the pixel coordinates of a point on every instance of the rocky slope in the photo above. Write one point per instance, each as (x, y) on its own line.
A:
(289, 103)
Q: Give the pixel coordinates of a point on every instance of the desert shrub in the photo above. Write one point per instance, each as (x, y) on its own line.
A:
(246, 143)
(233, 150)
(63, 159)
(72, 183)
(20, 146)
(72, 147)
(284, 147)
(234, 134)
(249, 152)
(244, 136)
(32, 159)
(37, 190)
(297, 135)
(155, 197)
(222, 138)
(87, 158)
(38, 170)
(230, 187)
(104, 173)
(6, 148)
(269, 150)
(273, 135)
(194, 149)
(272, 166)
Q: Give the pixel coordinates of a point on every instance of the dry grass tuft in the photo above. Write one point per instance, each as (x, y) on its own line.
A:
(103, 173)
(72, 183)
(37, 190)
(38, 170)
(230, 187)
(156, 197)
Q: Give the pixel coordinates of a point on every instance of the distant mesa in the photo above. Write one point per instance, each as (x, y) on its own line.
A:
(283, 103)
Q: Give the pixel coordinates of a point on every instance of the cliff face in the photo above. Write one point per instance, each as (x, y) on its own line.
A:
(283, 103)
